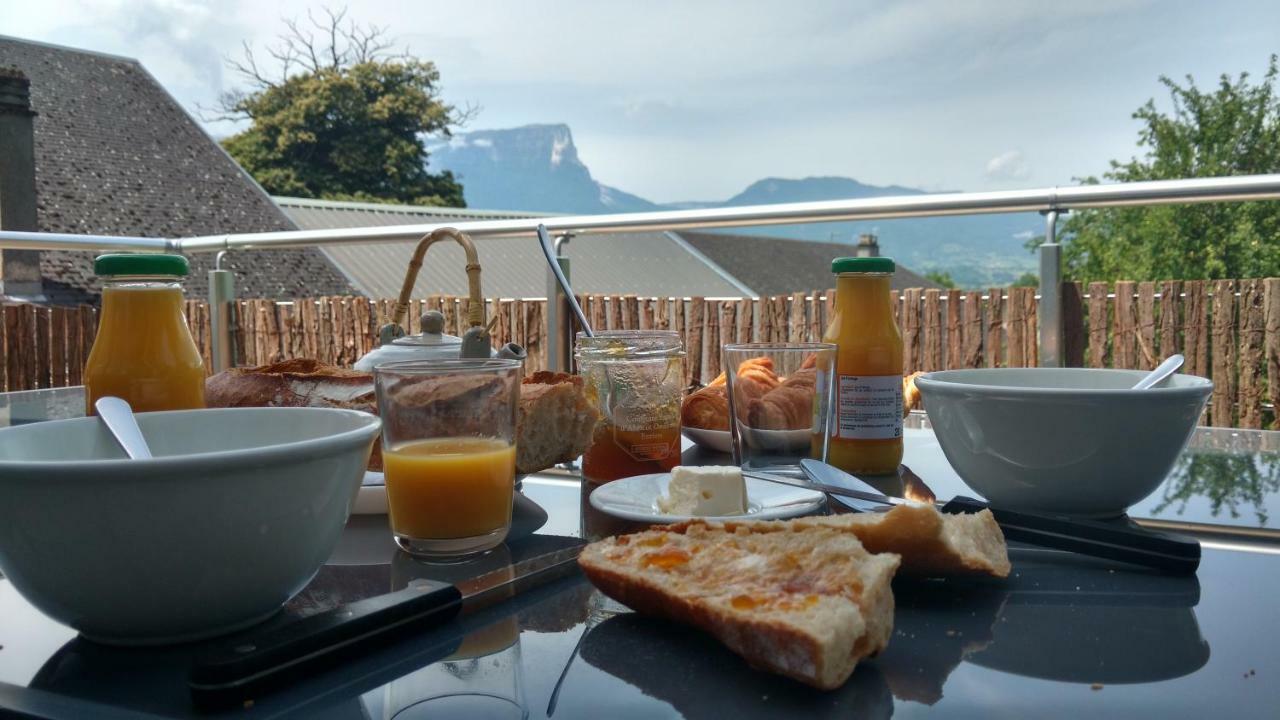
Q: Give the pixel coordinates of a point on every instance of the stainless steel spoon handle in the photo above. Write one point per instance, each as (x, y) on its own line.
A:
(544, 239)
(1162, 371)
(118, 417)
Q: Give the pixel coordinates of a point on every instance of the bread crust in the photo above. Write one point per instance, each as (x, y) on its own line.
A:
(822, 659)
(931, 543)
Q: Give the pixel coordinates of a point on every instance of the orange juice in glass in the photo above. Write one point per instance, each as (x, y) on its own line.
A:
(449, 454)
(143, 351)
(866, 430)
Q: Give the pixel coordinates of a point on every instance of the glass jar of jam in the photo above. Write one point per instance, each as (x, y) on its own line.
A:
(636, 378)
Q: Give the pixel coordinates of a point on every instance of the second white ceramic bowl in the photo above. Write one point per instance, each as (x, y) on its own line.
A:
(1074, 441)
(236, 513)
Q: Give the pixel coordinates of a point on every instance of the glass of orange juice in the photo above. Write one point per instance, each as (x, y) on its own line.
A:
(449, 452)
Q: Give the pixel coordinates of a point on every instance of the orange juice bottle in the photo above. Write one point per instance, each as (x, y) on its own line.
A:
(866, 428)
(143, 351)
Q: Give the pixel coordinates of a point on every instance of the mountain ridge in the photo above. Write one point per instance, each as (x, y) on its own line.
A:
(537, 168)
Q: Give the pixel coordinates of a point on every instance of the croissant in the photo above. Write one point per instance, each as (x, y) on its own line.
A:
(786, 407)
(708, 408)
(759, 369)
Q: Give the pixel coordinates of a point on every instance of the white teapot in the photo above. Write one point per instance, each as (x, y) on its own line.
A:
(435, 344)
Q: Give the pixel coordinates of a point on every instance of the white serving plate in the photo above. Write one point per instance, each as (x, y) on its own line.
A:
(717, 440)
(636, 498)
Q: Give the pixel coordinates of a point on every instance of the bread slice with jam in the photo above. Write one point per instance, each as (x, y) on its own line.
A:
(807, 602)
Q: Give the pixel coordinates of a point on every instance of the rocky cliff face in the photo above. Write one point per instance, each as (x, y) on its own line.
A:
(535, 167)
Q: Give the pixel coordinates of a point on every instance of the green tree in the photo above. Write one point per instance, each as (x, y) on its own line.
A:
(1232, 129)
(940, 277)
(345, 119)
(1028, 279)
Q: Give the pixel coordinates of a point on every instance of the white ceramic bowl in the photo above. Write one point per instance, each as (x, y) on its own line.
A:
(1071, 440)
(233, 517)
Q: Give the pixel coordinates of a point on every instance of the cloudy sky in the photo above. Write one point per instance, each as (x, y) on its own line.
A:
(694, 99)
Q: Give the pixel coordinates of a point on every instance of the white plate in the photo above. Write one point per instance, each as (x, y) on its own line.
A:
(718, 440)
(636, 498)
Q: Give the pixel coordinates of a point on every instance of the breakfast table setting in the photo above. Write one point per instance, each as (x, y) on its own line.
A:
(436, 532)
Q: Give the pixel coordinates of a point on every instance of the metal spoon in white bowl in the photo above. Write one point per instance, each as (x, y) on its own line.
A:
(1162, 371)
(118, 417)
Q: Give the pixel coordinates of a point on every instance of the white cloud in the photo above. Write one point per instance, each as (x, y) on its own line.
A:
(1008, 165)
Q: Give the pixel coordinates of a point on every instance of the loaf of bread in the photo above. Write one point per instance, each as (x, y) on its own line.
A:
(931, 544)
(807, 602)
(555, 421)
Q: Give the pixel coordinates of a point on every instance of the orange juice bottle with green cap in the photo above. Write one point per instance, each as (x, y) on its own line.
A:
(143, 351)
(866, 422)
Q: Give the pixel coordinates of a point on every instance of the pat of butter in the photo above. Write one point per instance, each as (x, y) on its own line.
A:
(705, 492)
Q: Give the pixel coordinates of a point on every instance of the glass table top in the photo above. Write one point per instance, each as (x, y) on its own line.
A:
(1062, 637)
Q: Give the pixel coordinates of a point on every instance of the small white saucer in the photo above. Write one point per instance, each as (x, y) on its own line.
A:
(636, 498)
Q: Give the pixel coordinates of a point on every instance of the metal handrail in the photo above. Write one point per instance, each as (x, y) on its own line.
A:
(1052, 201)
(1160, 192)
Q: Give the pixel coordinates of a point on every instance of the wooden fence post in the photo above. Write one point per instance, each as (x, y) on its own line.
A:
(1015, 328)
(746, 320)
(44, 369)
(911, 330)
(1098, 334)
(932, 336)
(693, 342)
(1123, 346)
(1195, 327)
(993, 348)
(1223, 352)
(711, 347)
(1252, 332)
(1146, 335)
(798, 324)
(972, 330)
(817, 320)
(1170, 317)
(1271, 304)
(955, 349)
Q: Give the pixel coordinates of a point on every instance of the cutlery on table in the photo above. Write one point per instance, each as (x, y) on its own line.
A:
(250, 665)
(117, 415)
(1162, 371)
(1118, 541)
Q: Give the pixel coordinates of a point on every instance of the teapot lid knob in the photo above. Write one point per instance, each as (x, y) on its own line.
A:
(432, 322)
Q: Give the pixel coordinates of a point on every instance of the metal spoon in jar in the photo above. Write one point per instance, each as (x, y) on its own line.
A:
(117, 415)
(1162, 371)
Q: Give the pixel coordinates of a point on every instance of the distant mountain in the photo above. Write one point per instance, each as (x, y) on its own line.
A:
(537, 168)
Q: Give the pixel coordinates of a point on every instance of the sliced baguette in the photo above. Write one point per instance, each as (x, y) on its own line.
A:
(804, 602)
(932, 544)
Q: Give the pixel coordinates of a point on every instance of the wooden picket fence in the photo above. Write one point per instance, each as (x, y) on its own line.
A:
(1229, 331)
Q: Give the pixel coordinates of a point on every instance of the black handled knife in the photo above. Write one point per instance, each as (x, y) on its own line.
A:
(1119, 541)
(249, 666)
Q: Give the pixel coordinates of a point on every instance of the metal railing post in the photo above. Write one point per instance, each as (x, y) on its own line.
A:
(222, 293)
(1050, 308)
(559, 337)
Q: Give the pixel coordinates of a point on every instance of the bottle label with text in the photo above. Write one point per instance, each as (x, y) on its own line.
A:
(869, 407)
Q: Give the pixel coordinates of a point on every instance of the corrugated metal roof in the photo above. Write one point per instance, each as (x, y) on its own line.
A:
(646, 264)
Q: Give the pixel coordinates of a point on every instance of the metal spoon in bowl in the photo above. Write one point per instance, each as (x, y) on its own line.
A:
(117, 415)
(1162, 371)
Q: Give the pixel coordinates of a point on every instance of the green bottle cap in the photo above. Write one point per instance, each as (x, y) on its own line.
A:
(862, 265)
(148, 264)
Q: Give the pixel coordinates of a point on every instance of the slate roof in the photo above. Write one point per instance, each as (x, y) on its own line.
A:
(117, 155)
(646, 264)
(777, 266)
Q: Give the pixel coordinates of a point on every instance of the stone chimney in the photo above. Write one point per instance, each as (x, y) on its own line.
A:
(868, 246)
(19, 269)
